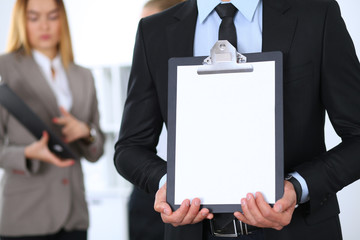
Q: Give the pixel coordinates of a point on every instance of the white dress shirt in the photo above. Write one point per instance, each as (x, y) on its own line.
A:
(58, 82)
(248, 23)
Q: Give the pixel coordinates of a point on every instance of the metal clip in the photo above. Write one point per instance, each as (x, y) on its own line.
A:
(224, 59)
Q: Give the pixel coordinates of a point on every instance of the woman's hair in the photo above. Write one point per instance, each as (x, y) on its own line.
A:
(18, 39)
(162, 4)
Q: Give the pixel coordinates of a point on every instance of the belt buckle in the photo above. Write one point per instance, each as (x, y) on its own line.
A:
(216, 234)
(243, 230)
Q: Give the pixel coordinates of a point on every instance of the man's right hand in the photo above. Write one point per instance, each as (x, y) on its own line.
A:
(188, 213)
(39, 150)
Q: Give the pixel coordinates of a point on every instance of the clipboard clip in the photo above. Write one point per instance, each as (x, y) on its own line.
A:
(224, 59)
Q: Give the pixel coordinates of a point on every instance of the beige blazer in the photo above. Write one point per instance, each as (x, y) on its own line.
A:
(38, 198)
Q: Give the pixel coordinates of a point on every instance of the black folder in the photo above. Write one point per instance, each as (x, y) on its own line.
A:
(17, 107)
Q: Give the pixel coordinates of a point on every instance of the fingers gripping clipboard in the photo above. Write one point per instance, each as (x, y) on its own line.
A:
(225, 128)
(17, 107)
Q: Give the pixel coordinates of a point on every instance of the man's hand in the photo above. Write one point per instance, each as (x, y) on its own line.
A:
(72, 129)
(39, 151)
(257, 212)
(188, 213)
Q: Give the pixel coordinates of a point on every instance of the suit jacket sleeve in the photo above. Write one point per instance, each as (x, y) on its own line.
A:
(12, 157)
(340, 88)
(135, 152)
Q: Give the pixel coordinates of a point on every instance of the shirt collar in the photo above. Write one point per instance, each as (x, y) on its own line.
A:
(44, 61)
(246, 7)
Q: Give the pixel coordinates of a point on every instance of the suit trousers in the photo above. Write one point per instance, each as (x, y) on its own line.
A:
(144, 222)
(61, 235)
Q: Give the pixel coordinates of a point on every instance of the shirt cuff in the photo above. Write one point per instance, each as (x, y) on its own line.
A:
(305, 191)
(162, 181)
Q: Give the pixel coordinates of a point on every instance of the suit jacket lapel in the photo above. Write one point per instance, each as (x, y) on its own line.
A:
(75, 89)
(278, 26)
(34, 81)
(181, 33)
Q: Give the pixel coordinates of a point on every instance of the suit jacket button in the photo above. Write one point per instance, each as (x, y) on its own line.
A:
(65, 181)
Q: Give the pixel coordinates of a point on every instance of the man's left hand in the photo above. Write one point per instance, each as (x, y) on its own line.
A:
(257, 212)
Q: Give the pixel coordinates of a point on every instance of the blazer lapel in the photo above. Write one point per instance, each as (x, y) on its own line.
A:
(278, 26)
(75, 89)
(35, 82)
(181, 33)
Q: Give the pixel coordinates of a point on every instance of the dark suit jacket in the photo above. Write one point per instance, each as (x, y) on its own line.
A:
(321, 72)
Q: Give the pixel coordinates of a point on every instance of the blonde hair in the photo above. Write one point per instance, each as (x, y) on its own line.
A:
(18, 40)
(162, 4)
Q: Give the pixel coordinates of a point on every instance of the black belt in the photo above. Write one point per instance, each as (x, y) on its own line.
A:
(234, 229)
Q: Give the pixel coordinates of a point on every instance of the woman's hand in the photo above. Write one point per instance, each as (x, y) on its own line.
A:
(39, 150)
(72, 129)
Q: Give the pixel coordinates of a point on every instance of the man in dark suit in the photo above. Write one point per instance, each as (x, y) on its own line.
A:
(141, 213)
(321, 72)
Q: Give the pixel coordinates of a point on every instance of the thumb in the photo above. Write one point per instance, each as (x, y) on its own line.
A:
(160, 204)
(161, 193)
(45, 138)
(278, 207)
(288, 200)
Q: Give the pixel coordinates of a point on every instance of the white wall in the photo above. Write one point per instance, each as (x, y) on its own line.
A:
(5, 14)
(103, 33)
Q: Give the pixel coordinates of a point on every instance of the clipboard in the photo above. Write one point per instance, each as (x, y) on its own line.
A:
(18, 108)
(225, 128)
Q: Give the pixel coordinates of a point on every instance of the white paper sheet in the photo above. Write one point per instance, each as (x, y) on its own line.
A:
(225, 135)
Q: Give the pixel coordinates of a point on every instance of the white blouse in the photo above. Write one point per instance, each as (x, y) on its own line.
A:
(58, 82)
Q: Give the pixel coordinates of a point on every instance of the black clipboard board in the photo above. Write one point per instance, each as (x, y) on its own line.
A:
(18, 108)
(182, 178)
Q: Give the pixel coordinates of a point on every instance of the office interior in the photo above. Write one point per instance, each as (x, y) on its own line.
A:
(103, 34)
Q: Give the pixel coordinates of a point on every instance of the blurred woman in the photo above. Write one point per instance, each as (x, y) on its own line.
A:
(41, 195)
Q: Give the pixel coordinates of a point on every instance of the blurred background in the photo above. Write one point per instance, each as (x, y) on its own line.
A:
(103, 34)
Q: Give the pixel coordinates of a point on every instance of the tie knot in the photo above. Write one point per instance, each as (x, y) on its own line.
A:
(226, 10)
